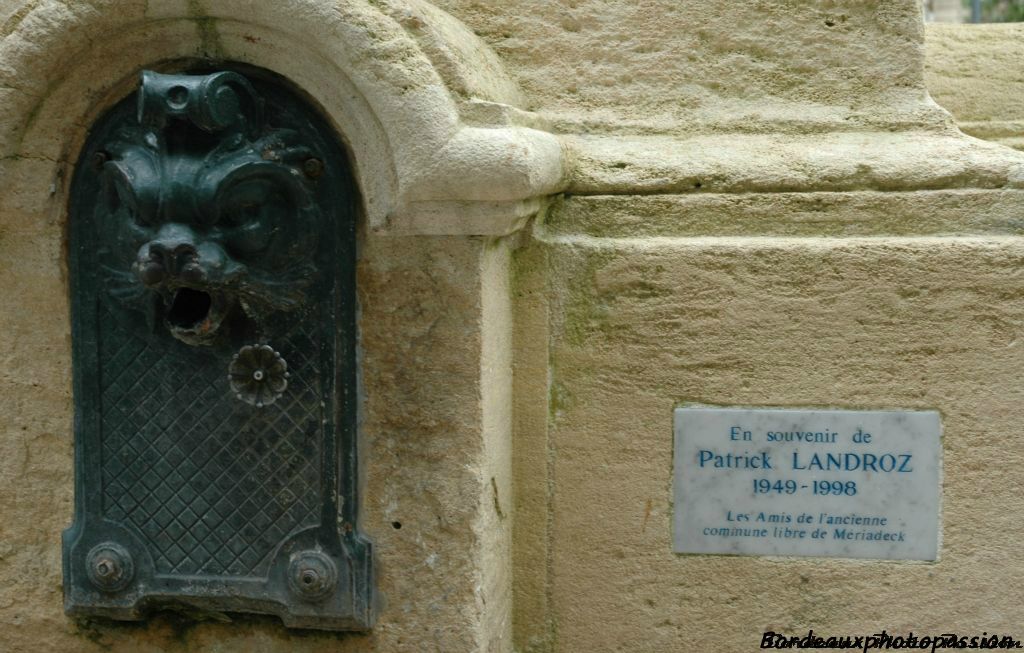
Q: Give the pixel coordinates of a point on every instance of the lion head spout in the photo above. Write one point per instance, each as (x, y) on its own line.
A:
(209, 211)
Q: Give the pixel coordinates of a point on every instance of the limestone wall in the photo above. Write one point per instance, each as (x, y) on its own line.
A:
(638, 327)
(974, 72)
(576, 216)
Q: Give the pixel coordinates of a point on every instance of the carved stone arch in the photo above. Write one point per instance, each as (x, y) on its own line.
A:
(427, 111)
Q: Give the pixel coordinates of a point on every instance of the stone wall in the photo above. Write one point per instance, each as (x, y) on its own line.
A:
(575, 217)
(974, 72)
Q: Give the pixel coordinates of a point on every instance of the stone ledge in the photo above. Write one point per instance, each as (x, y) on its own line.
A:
(773, 163)
(814, 214)
(1005, 132)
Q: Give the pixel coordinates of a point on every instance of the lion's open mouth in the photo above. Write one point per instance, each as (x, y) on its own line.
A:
(189, 308)
(194, 316)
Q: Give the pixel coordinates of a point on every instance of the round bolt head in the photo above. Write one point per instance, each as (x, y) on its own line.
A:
(313, 168)
(312, 575)
(99, 158)
(109, 567)
(258, 375)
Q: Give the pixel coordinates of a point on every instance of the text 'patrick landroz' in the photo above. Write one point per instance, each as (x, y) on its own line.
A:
(807, 525)
(797, 461)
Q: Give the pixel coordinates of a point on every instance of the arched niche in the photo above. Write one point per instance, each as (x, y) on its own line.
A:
(425, 108)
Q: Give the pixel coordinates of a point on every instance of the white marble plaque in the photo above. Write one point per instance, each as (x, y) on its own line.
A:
(835, 483)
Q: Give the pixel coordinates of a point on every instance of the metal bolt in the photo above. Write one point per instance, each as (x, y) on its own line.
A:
(313, 168)
(312, 575)
(99, 158)
(110, 567)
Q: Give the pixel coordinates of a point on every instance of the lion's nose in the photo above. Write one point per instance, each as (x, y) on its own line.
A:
(173, 257)
(173, 253)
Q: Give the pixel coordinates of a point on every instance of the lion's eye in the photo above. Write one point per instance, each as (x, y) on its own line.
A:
(251, 215)
(121, 199)
(243, 213)
(131, 186)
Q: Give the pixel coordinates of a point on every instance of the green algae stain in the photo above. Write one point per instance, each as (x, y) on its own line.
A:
(210, 45)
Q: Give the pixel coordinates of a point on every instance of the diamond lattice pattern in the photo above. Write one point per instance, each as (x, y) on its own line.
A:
(211, 483)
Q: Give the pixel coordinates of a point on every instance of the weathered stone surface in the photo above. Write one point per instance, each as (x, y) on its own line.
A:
(640, 325)
(974, 71)
(836, 214)
(695, 66)
(766, 207)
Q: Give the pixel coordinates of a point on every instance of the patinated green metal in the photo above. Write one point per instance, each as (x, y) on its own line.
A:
(211, 252)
